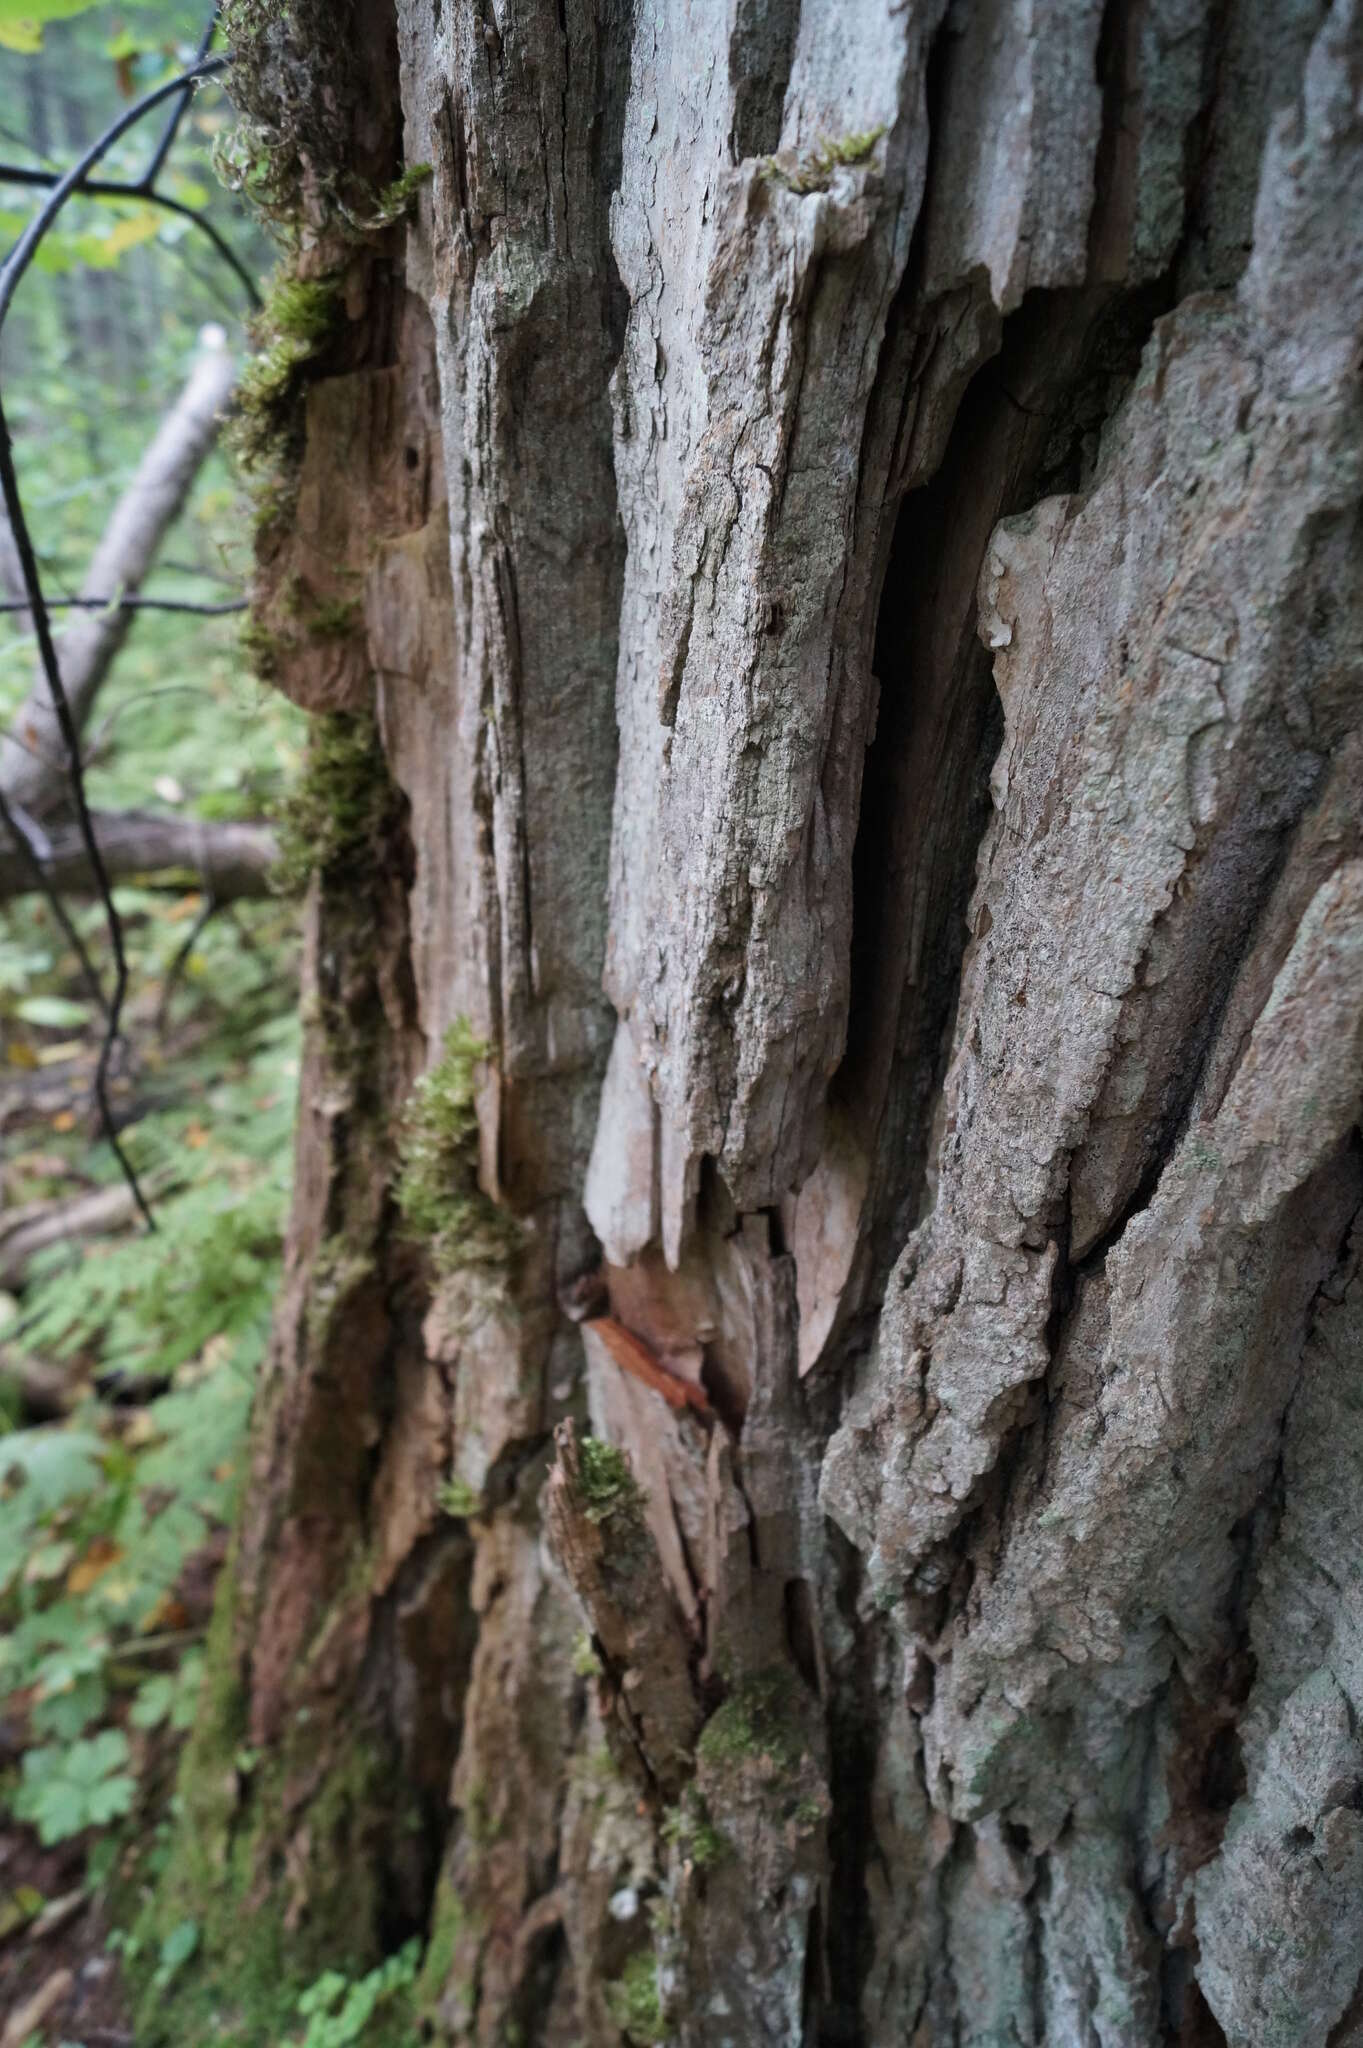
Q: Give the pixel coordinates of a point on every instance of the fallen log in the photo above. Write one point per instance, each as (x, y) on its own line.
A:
(226, 858)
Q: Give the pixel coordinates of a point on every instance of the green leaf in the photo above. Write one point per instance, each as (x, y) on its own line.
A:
(54, 1464)
(176, 1950)
(69, 1712)
(39, 11)
(21, 21)
(66, 1789)
(57, 1011)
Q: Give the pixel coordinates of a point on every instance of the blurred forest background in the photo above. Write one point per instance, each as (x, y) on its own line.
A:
(126, 1358)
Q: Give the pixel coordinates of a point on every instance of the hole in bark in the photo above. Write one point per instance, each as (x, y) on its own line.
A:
(1188, 2019)
(848, 1941)
(535, 1994)
(1223, 1770)
(728, 1399)
(801, 1639)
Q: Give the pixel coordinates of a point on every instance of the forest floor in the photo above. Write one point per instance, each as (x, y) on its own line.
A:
(126, 1358)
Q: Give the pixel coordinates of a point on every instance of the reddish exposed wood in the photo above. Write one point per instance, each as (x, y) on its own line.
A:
(632, 1355)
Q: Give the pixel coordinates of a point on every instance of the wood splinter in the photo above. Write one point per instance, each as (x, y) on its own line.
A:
(632, 1355)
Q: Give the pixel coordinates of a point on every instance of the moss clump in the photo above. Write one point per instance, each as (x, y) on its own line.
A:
(759, 1719)
(342, 806)
(448, 1927)
(332, 618)
(298, 318)
(690, 1830)
(633, 2001)
(458, 1499)
(811, 170)
(393, 202)
(608, 1486)
(295, 81)
(437, 1188)
(586, 1663)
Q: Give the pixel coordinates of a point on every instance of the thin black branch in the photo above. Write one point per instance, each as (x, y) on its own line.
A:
(11, 271)
(32, 861)
(78, 179)
(130, 604)
(9, 486)
(177, 114)
(118, 188)
(208, 910)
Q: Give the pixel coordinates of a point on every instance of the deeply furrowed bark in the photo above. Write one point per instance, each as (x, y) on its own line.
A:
(855, 516)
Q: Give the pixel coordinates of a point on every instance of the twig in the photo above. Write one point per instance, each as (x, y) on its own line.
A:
(77, 179)
(208, 910)
(28, 854)
(172, 127)
(12, 270)
(9, 485)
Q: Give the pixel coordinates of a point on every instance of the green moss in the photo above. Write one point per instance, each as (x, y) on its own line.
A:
(394, 201)
(482, 1824)
(291, 329)
(240, 1987)
(633, 2002)
(690, 1830)
(758, 1719)
(609, 1487)
(437, 1188)
(294, 82)
(457, 1498)
(332, 618)
(586, 1663)
(811, 170)
(342, 805)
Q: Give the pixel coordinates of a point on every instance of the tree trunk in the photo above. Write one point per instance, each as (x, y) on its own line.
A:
(852, 518)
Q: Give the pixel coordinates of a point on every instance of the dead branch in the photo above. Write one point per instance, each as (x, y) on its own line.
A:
(226, 858)
(32, 1230)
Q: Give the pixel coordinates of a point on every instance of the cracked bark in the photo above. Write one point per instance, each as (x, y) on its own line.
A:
(858, 512)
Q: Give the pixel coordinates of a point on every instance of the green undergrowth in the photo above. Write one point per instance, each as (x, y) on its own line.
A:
(438, 1194)
(250, 1982)
(157, 1340)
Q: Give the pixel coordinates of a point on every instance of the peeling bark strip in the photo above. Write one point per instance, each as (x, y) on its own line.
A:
(854, 522)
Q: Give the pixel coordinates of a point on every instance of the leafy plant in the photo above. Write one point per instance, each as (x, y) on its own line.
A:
(68, 1787)
(339, 2009)
(179, 1945)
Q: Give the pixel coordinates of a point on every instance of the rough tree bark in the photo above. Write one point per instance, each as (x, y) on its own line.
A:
(854, 518)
